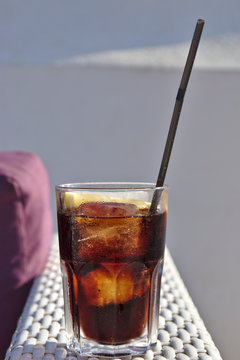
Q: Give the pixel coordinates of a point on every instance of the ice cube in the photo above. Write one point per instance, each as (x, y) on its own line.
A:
(138, 274)
(108, 209)
(109, 231)
(96, 286)
(103, 239)
(113, 284)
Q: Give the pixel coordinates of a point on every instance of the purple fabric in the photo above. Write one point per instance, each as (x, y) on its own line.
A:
(25, 233)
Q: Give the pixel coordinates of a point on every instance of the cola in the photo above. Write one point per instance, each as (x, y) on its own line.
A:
(111, 257)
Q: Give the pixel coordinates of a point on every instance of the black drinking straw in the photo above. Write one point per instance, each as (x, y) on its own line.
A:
(177, 111)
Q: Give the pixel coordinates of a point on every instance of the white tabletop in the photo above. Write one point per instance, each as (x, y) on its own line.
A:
(41, 334)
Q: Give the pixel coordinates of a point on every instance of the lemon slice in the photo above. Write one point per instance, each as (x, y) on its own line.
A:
(73, 200)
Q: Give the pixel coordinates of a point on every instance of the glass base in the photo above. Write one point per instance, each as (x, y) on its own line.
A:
(90, 348)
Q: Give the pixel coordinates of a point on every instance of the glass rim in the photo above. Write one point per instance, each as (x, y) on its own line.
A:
(109, 186)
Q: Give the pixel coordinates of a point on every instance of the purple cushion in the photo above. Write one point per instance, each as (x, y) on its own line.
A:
(25, 232)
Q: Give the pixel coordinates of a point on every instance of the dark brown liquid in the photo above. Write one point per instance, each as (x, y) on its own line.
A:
(109, 263)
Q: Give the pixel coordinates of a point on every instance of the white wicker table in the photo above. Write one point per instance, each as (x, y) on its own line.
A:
(40, 332)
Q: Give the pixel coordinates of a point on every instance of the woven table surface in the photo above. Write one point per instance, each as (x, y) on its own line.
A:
(40, 332)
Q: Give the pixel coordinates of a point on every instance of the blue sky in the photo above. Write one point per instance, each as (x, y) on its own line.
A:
(46, 31)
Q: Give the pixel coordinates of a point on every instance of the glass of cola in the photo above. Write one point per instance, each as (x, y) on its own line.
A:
(111, 255)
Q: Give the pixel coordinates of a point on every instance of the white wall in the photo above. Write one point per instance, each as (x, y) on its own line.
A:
(92, 120)
(95, 123)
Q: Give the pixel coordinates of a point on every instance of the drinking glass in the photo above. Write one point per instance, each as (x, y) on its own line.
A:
(111, 255)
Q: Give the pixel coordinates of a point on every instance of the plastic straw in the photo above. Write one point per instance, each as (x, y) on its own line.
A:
(177, 111)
